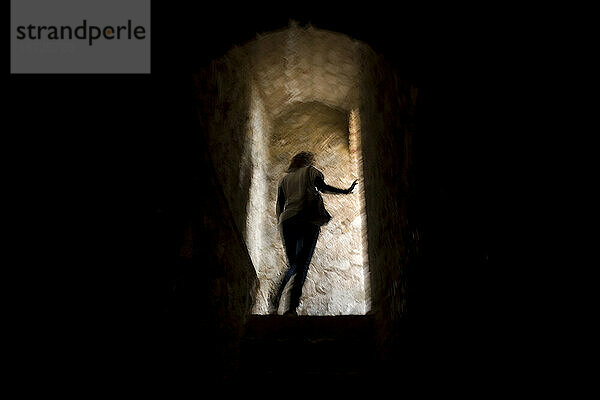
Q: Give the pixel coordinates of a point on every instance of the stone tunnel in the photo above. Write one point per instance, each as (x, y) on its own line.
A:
(302, 88)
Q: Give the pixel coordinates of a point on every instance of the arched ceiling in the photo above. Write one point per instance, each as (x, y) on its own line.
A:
(305, 65)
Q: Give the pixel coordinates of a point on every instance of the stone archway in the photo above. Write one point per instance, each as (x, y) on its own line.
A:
(304, 87)
(335, 282)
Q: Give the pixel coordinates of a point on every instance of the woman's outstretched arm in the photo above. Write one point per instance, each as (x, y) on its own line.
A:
(325, 188)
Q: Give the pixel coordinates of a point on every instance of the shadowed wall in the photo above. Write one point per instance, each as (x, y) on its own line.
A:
(306, 83)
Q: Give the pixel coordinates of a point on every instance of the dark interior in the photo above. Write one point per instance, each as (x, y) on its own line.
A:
(113, 181)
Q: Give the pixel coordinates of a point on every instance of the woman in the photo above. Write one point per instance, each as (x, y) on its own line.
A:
(300, 214)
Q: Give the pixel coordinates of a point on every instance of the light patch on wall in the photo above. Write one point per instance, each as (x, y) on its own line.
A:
(335, 283)
(361, 219)
(257, 206)
(303, 95)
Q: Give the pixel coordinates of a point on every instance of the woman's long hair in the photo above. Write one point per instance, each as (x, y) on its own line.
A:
(302, 159)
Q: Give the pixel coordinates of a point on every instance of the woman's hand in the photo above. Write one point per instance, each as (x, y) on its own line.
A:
(351, 188)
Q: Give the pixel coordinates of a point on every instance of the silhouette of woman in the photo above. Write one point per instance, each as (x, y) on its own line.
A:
(300, 215)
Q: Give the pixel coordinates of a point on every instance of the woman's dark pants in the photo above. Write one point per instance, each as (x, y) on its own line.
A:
(299, 240)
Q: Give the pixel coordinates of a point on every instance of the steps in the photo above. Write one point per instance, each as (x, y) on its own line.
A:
(337, 348)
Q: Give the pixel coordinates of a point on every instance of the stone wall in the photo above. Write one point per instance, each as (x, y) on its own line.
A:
(218, 281)
(386, 110)
(306, 65)
(255, 164)
(295, 90)
(228, 114)
(298, 84)
(308, 81)
(335, 281)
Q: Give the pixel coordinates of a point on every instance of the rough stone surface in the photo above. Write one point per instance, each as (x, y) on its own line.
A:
(386, 113)
(311, 83)
(335, 281)
(306, 65)
(286, 92)
(214, 285)
(226, 115)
